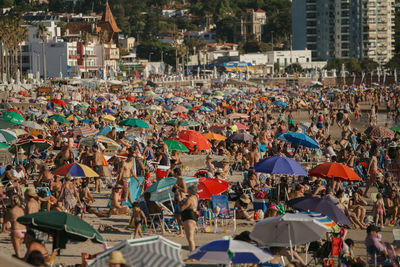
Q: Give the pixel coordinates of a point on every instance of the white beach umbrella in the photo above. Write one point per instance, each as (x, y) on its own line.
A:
(288, 230)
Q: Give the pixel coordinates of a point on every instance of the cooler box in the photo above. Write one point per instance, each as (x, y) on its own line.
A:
(260, 204)
(161, 171)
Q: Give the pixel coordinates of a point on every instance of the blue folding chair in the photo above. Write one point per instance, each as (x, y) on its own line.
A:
(220, 203)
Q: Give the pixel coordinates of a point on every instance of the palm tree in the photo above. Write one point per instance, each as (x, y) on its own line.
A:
(22, 35)
(180, 49)
(43, 33)
(85, 40)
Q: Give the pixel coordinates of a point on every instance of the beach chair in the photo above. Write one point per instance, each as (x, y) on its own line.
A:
(221, 203)
(154, 219)
(53, 255)
(373, 258)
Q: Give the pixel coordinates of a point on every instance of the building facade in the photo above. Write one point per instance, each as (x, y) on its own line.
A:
(344, 28)
(251, 23)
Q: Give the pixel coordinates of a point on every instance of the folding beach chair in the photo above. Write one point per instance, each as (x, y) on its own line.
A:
(374, 258)
(220, 209)
(155, 218)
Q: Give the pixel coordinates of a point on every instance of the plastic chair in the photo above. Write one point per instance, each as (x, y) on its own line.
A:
(221, 202)
(154, 219)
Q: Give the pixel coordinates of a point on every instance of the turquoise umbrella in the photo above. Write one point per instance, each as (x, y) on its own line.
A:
(162, 190)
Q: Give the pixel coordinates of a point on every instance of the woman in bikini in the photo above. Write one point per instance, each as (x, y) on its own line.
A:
(17, 230)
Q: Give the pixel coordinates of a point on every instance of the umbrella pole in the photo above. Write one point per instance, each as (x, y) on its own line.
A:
(290, 243)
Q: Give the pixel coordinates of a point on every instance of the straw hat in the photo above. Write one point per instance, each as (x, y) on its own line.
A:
(245, 198)
(30, 192)
(21, 150)
(116, 257)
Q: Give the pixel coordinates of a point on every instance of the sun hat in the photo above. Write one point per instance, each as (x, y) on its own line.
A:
(21, 150)
(116, 257)
(30, 192)
(245, 198)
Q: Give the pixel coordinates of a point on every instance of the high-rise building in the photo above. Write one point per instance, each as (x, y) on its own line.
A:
(344, 28)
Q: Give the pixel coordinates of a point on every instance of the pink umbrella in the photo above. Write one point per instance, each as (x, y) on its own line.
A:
(181, 109)
(241, 126)
(237, 116)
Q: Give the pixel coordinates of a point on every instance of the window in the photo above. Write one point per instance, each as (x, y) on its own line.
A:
(308, 59)
(297, 60)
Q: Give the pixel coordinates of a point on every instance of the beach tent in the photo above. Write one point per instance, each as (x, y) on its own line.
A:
(144, 252)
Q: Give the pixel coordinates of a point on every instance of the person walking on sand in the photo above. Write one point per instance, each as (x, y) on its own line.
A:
(138, 218)
(125, 174)
(372, 171)
(17, 230)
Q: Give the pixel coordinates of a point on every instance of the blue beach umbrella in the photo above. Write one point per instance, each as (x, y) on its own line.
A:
(298, 139)
(281, 104)
(227, 251)
(108, 129)
(108, 111)
(280, 165)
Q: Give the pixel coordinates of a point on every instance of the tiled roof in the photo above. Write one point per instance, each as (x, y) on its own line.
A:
(260, 10)
(108, 17)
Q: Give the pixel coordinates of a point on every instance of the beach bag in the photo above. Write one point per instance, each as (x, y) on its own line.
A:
(260, 195)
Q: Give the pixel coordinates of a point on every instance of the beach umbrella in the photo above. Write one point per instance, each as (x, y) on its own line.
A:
(101, 99)
(14, 110)
(23, 93)
(62, 226)
(4, 145)
(334, 170)
(108, 111)
(281, 104)
(381, 132)
(236, 116)
(76, 170)
(298, 139)
(19, 132)
(210, 186)
(148, 251)
(320, 205)
(13, 117)
(32, 125)
(288, 230)
(28, 144)
(189, 123)
(108, 118)
(59, 119)
(134, 123)
(181, 109)
(325, 220)
(240, 126)
(7, 136)
(176, 145)
(73, 117)
(110, 144)
(205, 109)
(58, 102)
(108, 129)
(280, 165)
(214, 136)
(132, 98)
(396, 129)
(182, 115)
(84, 131)
(192, 138)
(132, 138)
(4, 124)
(230, 251)
(241, 137)
(162, 190)
(129, 109)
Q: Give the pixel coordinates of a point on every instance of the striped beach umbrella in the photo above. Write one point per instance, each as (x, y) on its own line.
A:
(76, 170)
(110, 144)
(147, 251)
(325, 220)
(162, 190)
(7, 136)
(85, 131)
(27, 144)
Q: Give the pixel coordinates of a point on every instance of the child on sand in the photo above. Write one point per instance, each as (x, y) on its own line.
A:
(379, 209)
(138, 217)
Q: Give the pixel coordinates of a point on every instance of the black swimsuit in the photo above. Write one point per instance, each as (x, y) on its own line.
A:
(189, 214)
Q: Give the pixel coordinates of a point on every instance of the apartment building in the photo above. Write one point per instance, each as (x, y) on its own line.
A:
(344, 28)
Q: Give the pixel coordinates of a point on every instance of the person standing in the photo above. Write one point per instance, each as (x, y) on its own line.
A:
(189, 216)
(17, 230)
(97, 167)
(372, 171)
(127, 172)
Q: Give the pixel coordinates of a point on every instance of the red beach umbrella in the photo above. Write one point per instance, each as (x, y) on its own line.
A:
(334, 170)
(210, 186)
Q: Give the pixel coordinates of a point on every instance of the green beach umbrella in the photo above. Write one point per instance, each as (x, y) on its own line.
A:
(396, 129)
(13, 117)
(176, 145)
(190, 123)
(4, 145)
(6, 124)
(173, 122)
(7, 136)
(63, 226)
(134, 123)
(58, 118)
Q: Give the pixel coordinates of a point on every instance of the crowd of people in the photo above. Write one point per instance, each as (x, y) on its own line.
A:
(258, 115)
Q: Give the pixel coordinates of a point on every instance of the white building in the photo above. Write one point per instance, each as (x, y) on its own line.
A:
(283, 58)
